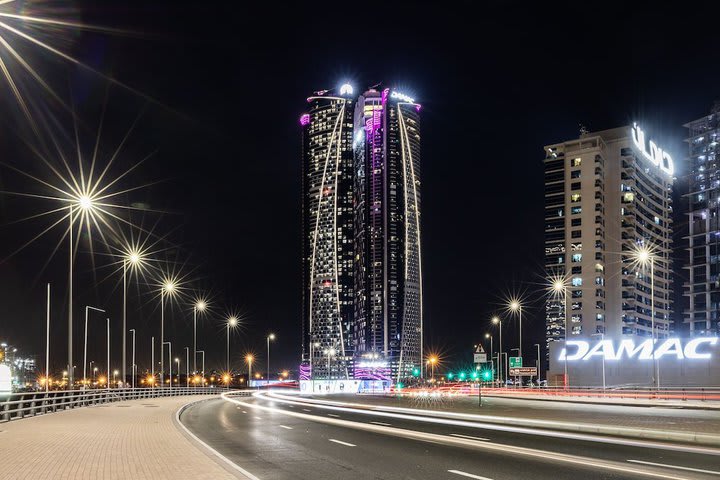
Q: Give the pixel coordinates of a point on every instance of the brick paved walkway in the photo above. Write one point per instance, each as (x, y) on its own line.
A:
(125, 440)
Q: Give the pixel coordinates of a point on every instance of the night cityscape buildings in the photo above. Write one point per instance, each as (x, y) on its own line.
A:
(703, 269)
(362, 291)
(607, 194)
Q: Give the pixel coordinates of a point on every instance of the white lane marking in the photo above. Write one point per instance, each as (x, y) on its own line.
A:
(414, 414)
(333, 415)
(285, 427)
(678, 467)
(469, 475)
(212, 450)
(342, 443)
(382, 423)
(306, 410)
(482, 439)
(448, 440)
(258, 418)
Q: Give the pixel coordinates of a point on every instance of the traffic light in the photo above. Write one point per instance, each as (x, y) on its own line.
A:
(487, 375)
(416, 372)
(462, 375)
(400, 386)
(474, 375)
(450, 376)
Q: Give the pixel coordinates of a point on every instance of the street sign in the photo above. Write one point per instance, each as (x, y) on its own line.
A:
(523, 372)
(515, 362)
(480, 358)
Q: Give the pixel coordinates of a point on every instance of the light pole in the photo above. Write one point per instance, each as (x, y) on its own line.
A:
(644, 256)
(167, 287)
(515, 306)
(132, 374)
(602, 338)
(432, 360)
(108, 354)
(231, 323)
(47, 342)
(269, 337)
(152, 359)
(87, 309)
(249, 359)
(559, 287)
(95, 370)
(133, 258)
(115, 374)
(203, 366)
(487, 335)
(169, 344)
(200, 306)
(177, 361)
(187, 367)
(496, 321)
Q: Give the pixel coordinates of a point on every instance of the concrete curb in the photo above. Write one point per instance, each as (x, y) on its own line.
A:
(619, 404)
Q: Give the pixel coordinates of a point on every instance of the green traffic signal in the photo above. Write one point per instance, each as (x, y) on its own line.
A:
(487, 375)
(416, 372)
(462, 375)
(450, 376)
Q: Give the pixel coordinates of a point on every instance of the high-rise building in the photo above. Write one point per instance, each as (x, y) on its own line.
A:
(703, 197)
(328, 233)
(607, 195)
(388, 269)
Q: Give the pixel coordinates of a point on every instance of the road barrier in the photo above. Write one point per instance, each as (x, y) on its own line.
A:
(27, 404)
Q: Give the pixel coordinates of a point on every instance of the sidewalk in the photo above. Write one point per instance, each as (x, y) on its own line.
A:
(125, 440)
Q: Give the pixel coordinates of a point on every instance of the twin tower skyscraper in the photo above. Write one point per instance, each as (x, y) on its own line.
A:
(362, 268)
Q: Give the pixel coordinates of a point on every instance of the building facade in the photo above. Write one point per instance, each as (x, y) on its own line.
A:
(703, 197)
(388, 267)
(608, 195)
(327, 218)
(362, 300)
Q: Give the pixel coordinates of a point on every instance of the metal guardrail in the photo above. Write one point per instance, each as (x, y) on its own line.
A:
(26, 404)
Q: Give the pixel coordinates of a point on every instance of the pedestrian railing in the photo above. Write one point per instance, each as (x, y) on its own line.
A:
(25, 404)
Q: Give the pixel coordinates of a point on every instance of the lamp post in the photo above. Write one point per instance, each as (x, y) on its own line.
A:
(515, 306)
(168, 287)
(47, 342)
(133, 367)
(177, 361)
(87, 309)
(108, 354)
(432, 361)
(132, 259)
(487, 335)
(95, 370)
(559, 287)
(269, 337)
(644, 256)
(518, 350)
(249, 359)
(169, 344)
(496, 321)
(152, 359)
(602, 338)
(538, 362)
(115, 374)
(200, 306)
(231, 323)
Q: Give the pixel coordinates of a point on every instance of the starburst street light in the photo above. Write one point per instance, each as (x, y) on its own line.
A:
(558, 288)
(643, 256)
(232, 322)
(200, 305)
(514, 305)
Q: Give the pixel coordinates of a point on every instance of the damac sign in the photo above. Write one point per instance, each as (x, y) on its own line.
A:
(651, 151)
(697, 348)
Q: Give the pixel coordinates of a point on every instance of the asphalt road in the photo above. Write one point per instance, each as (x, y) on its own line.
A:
(276, 440)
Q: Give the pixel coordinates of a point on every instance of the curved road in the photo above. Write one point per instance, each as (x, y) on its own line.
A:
(278, 439)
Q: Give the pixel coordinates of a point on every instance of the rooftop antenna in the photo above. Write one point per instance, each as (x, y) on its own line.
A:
(583, 130)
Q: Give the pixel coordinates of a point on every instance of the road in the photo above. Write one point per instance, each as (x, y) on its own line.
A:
(279, 439)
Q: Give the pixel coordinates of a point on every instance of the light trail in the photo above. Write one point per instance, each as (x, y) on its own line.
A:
(503, 449)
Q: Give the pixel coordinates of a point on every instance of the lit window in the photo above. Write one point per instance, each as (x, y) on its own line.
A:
(576, 282)
(575, 197)
(577, 257)
(576, 162)
(599, 268)
(628, 197)
(576, 210)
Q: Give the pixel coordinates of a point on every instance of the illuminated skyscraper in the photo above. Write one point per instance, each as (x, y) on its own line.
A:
(703, 173)
(606, 194)
(388, 271)
(328, 233)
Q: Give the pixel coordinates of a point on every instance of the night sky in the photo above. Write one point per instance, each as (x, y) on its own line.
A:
(225, 84)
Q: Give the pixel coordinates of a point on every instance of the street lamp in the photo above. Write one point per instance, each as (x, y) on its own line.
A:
(168, 287)
(133, 257)
(559, 287)
(232, 322)
(496, 321)
(432, 361)
(269, 337)
(87, 309)
(643, 256)
(203, 365)
(249, 359)
(200, 306)
(187, 367)
(177, 361)
(115, 373)
(487, 335)
(515, 306)
(538, 363)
